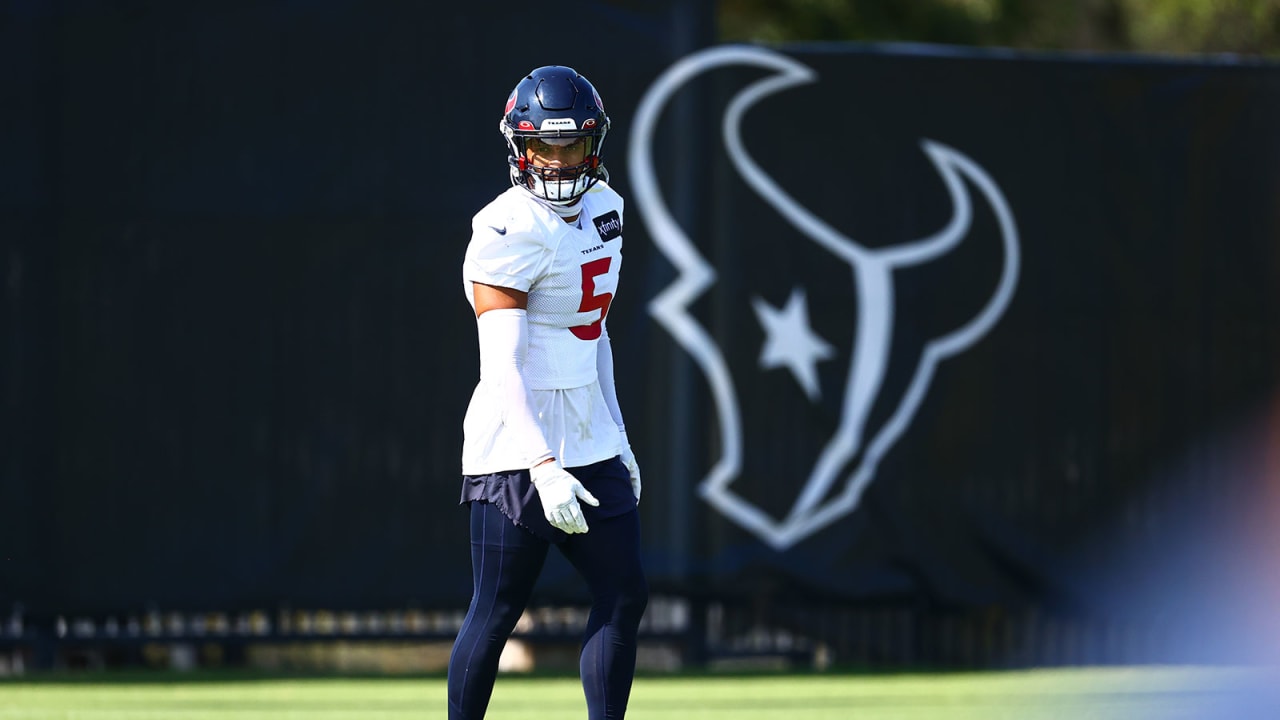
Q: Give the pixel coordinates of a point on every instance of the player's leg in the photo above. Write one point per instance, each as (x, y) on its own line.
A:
(505, 562)
(608, 558)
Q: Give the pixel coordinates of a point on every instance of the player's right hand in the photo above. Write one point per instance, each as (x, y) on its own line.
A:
(560, 492)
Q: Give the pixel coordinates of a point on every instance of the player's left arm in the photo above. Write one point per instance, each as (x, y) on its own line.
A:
(604, 371)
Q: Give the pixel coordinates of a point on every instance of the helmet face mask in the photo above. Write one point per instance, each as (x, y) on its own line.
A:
(554, 105)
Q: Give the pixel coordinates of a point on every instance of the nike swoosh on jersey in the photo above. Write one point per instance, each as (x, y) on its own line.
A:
(500, 230)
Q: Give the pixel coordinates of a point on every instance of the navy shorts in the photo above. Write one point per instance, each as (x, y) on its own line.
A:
(513, 493)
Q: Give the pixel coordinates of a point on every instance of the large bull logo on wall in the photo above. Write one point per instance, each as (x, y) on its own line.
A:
(847, 462)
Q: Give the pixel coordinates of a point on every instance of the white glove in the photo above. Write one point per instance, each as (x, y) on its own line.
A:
(629, 459)
(560, 492)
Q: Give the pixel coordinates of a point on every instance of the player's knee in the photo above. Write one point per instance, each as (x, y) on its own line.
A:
(504, 618)
(633, 600)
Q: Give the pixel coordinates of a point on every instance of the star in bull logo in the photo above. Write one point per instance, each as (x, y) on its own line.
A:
(791, 341)
(846, 462)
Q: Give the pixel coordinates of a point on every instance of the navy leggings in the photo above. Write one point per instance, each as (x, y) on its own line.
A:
(506, 560)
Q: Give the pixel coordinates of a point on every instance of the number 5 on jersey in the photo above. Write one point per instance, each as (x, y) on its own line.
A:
(592, 301)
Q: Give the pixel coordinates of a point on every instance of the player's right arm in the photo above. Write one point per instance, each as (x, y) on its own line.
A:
(502, 323)
(503, 329)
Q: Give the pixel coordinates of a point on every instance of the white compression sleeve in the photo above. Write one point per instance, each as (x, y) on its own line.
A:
(504, 340)
(604, 373)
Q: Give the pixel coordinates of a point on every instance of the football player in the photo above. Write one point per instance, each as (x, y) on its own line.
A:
(545, 457)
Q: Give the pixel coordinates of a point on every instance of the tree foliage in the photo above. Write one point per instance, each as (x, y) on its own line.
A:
(1246, 27)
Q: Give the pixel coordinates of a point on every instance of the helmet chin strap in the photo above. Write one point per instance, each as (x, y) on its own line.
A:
(564, 211)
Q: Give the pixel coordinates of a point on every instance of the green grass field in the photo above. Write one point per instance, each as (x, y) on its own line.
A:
(1096, 694)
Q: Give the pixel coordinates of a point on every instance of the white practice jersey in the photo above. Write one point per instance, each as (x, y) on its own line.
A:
(570, 272)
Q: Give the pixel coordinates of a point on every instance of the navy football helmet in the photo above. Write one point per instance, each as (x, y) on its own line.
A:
(556, 105)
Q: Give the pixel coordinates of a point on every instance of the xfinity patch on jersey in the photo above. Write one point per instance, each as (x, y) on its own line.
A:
(609, 225)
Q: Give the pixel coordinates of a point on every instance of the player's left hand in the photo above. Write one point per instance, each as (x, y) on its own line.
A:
(629, 459)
